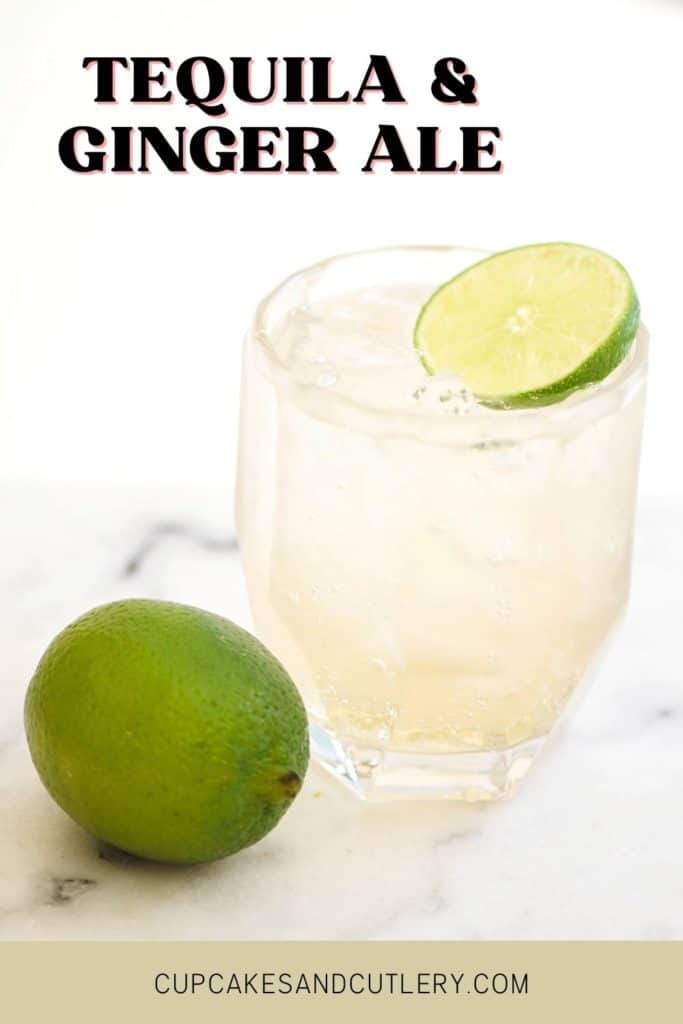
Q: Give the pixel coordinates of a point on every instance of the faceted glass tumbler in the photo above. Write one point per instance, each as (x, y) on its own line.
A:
(438, 586)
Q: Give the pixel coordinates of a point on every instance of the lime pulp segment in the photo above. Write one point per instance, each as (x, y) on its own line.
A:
(528, 325)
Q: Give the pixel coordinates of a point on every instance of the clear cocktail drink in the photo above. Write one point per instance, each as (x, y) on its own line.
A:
(437, 576)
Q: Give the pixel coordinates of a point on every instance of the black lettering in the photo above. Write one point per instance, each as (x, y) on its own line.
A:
(143, 78)
(388, 137)
(199, 156)
(216, 991)
(161, 991)
(67, 149)
(321, 82)
(105, 76)
(448, 86)
(472, 147)
(380, 67)
(215, 89)
(122, 155)
(241, 80)
(300, 147)
(429, 152)
(254, 146)
(155, 138)
(520, 986)
(294, 79)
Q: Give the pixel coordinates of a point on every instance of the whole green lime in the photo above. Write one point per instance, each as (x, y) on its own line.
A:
(166, 731)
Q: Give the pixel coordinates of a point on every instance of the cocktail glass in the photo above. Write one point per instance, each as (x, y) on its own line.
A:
(438, 577)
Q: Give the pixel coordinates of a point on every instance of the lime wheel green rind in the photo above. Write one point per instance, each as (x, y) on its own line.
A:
(528, 326)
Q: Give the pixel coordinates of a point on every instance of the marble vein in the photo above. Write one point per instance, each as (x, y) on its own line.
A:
(591, 847)
(158, 533)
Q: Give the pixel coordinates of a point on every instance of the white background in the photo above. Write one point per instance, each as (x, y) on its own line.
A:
(123, 299)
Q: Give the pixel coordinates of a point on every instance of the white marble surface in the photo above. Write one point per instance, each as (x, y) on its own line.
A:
(591, 846)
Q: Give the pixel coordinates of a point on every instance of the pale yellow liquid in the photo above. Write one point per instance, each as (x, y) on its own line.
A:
(425, 593)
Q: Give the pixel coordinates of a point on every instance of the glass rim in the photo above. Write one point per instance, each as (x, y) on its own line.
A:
(587, 402)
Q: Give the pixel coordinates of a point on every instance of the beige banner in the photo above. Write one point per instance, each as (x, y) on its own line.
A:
(403, 981)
